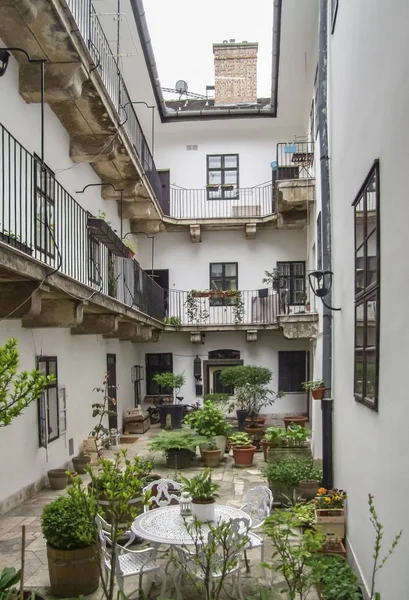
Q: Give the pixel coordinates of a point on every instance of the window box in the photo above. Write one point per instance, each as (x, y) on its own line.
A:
(227, 187)
(11, 240)
(332, 521)
(212, 186)
(107, 236)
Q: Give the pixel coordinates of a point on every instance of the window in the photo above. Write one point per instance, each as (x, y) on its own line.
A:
(367, 283)
(292, 278)
(157, 363)
(50, 418)
(222, 176)
(44, 198)
(223, 277)
(291, 370)
(334, 11)
(224, 354)
(94, 259)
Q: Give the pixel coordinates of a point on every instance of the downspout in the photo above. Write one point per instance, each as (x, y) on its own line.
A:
(327, 401)
(276, 54)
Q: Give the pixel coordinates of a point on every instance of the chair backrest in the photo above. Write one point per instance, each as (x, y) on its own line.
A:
(162, 493)
(259, 502)
(104, 534)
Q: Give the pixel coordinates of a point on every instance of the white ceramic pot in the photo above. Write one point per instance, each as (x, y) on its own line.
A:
(221, 444)
(203, 512)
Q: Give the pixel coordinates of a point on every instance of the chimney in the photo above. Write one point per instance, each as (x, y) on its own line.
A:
(235, 68)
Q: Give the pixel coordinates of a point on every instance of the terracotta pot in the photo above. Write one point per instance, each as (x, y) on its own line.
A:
(73, 572)
(58, 479)
(318, 393)
(256, 432)
(79, 463)
(296, 419)
(265, 445)
(211, 458)
(243, 457)
(309, 488)
(259, 420)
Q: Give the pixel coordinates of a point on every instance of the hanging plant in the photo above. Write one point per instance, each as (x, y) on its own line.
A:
(238, 308)
(196, 314)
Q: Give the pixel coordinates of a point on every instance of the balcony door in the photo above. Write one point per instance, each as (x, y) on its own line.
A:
(161, 277)
(112, 390)
(164, 177)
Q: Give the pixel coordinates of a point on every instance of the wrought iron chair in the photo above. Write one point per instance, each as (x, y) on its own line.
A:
(259, 502)
(128, 562)
(128, 534)
(188, 561)
(163, 496)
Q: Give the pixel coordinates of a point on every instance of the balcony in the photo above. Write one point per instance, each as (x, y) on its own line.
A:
(47, 237)
(250, 310)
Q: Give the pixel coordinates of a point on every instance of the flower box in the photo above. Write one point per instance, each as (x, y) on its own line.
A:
(331, 520)
(16, 243)
(107, 236)
(334, 547)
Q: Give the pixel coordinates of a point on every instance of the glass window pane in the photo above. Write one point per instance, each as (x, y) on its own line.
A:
(52, 367)
(42, 367)
(230, 162)
(52, 413)
(217, 284)
(217, 270)
(215, 177)
(284, 268)
(230, 270)
(359, 345)
(370, 369)
(230, 177)
(214, 162)
(359, 271)
(230, 284)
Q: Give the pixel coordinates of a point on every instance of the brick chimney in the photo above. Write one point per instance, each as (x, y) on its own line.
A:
(235, 68)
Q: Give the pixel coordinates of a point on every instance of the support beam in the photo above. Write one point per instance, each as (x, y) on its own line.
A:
(93, 148)
(251, 229)
(126, 332)
(63, 82)
(97, 324)
(195, 234)
(251, 335)
(133, 190)
(19, 299)
(150, 227)
(137, 210)
(56, 313)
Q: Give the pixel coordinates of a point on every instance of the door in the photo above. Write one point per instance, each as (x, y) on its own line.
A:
(164, 177)
(161, 277)
(112, 390)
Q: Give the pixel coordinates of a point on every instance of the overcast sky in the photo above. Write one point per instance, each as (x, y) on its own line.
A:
(183, 32)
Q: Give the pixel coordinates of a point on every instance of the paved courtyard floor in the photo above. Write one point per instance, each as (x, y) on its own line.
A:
(234, 483)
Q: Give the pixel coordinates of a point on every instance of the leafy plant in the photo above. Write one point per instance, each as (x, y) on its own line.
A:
(290, 471)
(174, 321)
(132, 246)
(196, 312)
(293, 560)
(238, 308)
(66, 522)
(201, 486)
(313, 385)
(208, 421)
(217, 398)
(176, 440)
(275, 435)
(250, 387)
(240, 440)
(9, 577)
(330, 498)
(102, 410)
(102, 215)
(172, 381)
(296, 435)
(304, 512)
(17, 390)
(336, 578)
(211, 444)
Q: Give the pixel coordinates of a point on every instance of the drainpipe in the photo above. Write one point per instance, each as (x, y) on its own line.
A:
(326, 402)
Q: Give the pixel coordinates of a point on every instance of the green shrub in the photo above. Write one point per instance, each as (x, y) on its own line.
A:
(208, 421)
(179, 440)
(67, 525)
(290, 471)
(336, 577)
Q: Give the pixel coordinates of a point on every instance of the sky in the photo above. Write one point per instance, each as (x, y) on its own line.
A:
(183, 32)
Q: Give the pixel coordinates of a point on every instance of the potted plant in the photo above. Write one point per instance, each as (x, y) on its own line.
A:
(211, 453)
(58, 479)
(273, 438)
(204, 493)
(285, 443)
(335, 578)
(243, 450)
(333, 545)
(329, 511)
(179, 447)
(210, 421)
(284, 476)
(317, 388)
(173, 382)
(70, 533)
(295, 420)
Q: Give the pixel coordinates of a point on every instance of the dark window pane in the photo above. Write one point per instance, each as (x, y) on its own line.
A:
(359, 272)
(291, 370)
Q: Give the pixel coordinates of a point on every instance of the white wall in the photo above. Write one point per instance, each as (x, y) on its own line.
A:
(262, 353)
(369, 100)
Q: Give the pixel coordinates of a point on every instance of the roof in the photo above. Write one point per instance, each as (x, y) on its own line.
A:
(208, 104)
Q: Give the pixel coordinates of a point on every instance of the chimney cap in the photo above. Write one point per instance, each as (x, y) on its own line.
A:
(233, 43)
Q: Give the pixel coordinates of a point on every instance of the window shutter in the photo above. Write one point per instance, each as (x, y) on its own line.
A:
(62, 415)
(42, 420)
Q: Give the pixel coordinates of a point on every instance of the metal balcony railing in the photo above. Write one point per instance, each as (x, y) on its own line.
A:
(294, 160)
(218, 203)
(40, 218)
(245, 307)
(107, 67)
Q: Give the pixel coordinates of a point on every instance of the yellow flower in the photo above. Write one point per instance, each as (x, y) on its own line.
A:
(327, 499)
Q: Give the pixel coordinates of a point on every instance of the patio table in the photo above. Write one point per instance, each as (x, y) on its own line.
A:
(167, 526)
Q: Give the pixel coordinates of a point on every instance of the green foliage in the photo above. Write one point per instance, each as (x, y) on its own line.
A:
(240, 440)
(313, 385)
(271, 276)
(208, 421)
(17, 391)
(251, 393)
(178, 439)
(217, 398)
(336, 578)
(67, 521)
(195, 309)
(290, 471)
(9, 577)
(102, 215)
(293, 560)
(201, 486)
(245, 374)
(275, 435)
(174, 321)
(296, 435)
(102, 410)
(173, 381)
(304, 512)
(131, 245)
(211, 444)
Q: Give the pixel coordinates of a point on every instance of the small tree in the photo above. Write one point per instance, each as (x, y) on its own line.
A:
(17, 390)
(103, 410)
(171, 381)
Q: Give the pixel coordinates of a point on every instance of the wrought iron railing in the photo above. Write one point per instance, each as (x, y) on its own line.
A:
(107, 67)
(294, 160)
(212, 203)
(245, 307)
(40, 218)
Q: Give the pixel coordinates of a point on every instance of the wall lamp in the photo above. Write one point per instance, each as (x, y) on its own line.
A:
(321, 284)
(121, 190)
(197, 368)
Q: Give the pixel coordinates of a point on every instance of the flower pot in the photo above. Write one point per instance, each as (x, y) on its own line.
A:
(334, 547)
(332, 521)
(241, 417)
(79, 463)
(179, 459)
(259, 420)
(265, 446)
(243, 457)
(296, 419)
(203, 510)
(176, 414)
(58, 479)
(281, 491)
(254, 432)
(318, 393)
(278, 453)
(309, 488)
(204, 294)
(211, 458)
(73, 572)
(221, 443)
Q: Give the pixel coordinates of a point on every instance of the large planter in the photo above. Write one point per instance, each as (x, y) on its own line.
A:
(79, 463)
(296, 419)
(241, 418)
(282, 491)
(179, 459)
(332, 521)
(333, 547)
(73, 572)
(243, 457)
(58, 479)
(176, 414)
(309, 488)
(220, 443)
(277, 454)
(203, 510)
(211, 458)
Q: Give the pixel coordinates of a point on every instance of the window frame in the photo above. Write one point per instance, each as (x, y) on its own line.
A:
(44, 398)
(223, 301)
(222, 192)
(281, 354)
(370, 291)
(291, 277)
(161, 369)
(44, 195)
(334, 12)
(94, 266)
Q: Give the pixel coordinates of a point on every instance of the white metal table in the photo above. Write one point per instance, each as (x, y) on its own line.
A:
(167, 526)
